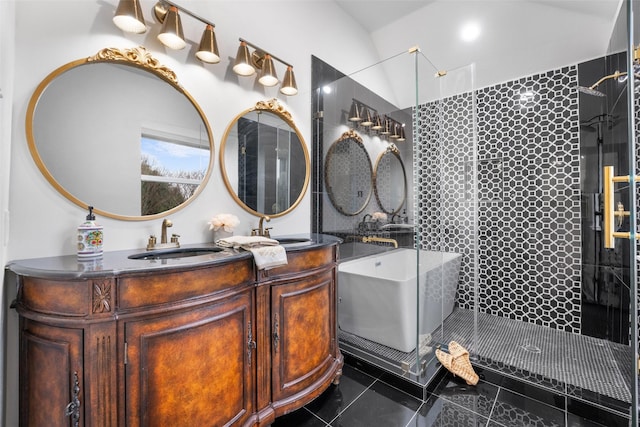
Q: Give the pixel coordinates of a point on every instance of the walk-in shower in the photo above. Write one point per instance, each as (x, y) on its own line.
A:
(510, 178)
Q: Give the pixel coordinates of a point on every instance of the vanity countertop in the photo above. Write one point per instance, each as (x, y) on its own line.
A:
(115, 263)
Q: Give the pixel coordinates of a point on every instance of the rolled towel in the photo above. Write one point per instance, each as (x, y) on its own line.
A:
(268, 257)
(246, 242)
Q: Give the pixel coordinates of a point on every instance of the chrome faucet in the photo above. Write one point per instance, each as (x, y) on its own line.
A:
(174, 243)
(260, 231)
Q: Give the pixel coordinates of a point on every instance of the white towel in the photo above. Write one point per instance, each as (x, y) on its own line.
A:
(246, 242)
(267, 253)
(268, 257)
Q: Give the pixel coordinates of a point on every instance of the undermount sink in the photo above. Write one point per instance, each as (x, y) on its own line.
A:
(289, 240)
(174, 253)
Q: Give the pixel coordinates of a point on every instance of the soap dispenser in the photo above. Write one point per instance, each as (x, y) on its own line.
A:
(90, 237)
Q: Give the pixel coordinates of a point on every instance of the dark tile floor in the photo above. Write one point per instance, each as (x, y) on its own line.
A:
(366, 397)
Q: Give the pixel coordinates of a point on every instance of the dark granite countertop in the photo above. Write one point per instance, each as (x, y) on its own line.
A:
(115, 263)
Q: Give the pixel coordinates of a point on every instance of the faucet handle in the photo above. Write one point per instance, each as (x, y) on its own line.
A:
(266, 232)
(152, 242)
(174, 238)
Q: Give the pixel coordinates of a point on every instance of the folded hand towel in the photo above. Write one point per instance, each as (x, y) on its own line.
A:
(245, 242)
(267, 257)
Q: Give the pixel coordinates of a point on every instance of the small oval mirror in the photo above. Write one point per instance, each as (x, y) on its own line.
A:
(264, 160)
(117, 131)
(390, 180)
(348, 174)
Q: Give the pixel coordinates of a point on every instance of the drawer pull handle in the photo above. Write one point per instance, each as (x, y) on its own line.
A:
(73, 408)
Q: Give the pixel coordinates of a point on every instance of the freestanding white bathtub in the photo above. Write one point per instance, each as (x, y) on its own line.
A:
(379, 299)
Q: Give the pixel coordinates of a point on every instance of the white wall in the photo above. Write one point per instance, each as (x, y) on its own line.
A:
(43, 222)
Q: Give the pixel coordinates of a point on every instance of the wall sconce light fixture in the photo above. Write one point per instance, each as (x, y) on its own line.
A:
(247, 63)
(368, 118)
(128, 17)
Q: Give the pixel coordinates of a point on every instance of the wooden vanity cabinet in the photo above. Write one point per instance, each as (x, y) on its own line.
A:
(195, 367)
(212, 345)
(304, 355)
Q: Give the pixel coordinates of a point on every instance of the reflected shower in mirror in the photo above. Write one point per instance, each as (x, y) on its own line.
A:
(264, 160)
(390, 180)
(117, 132)
(348, 174)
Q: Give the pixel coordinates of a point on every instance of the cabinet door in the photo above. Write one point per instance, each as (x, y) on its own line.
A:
(303, 333)
(51, 374)
(193, 368)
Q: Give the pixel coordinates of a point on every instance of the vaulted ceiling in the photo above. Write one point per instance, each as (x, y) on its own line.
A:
(517, 37)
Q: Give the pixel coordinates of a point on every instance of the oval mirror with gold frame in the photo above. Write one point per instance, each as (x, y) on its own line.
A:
(348, 174)
(264, 160)
(390, 180)
(116, 131)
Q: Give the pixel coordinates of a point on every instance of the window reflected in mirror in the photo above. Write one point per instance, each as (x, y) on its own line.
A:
(172, 166)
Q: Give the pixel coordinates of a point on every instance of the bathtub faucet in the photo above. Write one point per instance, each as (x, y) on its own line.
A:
(376, 239)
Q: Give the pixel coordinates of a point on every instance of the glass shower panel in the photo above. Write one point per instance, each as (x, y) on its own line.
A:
(390, 294)
(446, 193)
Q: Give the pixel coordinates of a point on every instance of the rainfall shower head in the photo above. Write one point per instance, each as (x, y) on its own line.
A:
(590, 91)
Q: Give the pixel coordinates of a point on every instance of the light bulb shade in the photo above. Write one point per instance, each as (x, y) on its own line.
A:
(129, 18)
(395, 134)
(242, 65)
(171, 34)
(401, 136)
(366, 117)
(268, 75)
(377, 122)
(386, 127)
(208, 49)
(354, 113)
(289, 86)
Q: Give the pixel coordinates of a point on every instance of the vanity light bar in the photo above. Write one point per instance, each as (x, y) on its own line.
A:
(247, 63)
(361, 114)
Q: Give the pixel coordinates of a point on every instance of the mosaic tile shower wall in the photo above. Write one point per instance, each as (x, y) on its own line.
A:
(528, 185)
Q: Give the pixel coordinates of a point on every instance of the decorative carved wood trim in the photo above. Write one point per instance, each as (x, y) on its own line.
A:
(102, 297)
(138, 56)
(104, 381)
(274, 106)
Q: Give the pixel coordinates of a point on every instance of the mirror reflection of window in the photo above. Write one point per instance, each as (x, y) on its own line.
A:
(172, 166)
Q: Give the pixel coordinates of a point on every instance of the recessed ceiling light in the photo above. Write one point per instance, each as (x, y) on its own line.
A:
(470, 31)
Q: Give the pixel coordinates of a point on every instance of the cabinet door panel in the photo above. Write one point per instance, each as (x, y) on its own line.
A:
(50, 366)
(303, 319)
(192, 368)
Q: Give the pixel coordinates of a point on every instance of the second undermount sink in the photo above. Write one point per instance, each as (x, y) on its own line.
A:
(289, 240)
(174, 253)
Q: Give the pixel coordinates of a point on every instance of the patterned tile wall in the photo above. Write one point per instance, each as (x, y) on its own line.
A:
(528, 192)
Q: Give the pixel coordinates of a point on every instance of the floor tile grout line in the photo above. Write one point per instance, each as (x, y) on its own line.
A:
(352, 402)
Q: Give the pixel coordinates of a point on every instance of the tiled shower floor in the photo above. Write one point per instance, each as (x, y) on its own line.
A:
(585, 368)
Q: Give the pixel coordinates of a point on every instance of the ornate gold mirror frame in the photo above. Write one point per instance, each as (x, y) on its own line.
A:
(349, 166)
(271, 107)
(141, 59)
(392, 150)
